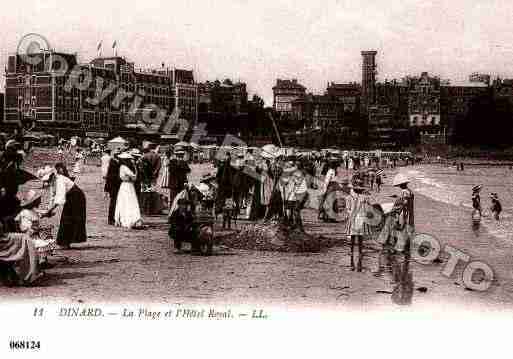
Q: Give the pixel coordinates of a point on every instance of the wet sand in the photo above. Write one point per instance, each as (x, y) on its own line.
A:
(121, 266)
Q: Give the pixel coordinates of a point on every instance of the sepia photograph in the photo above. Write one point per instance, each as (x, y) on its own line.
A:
(275, 166)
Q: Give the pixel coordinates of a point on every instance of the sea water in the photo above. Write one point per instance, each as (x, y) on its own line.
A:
(447, 185)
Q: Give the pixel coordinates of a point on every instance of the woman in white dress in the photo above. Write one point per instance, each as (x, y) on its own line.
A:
(128, 213)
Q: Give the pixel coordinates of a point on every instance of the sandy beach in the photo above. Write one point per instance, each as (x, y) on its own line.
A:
(120, 266)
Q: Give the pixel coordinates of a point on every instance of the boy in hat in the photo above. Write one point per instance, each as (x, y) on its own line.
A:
(496, 207)
(476, 200)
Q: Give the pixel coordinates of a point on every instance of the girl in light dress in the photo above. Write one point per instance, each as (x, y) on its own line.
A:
(29, 222)
(127, 213)
(79, 163)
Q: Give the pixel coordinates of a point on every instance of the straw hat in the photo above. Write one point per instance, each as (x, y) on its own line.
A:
(477, 188)
(135, 152)
(400, 179)
(11, 143)
(29, 198)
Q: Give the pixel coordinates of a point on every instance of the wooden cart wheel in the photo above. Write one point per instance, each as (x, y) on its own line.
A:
(206, 240)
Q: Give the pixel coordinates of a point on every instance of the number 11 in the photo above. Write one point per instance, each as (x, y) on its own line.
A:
(38, 312)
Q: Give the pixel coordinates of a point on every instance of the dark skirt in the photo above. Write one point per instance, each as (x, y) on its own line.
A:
(72, 228)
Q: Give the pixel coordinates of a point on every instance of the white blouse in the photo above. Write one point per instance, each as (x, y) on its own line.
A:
(62, 186)
(126, 175)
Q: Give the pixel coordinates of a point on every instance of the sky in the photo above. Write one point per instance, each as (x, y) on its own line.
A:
(258, 41)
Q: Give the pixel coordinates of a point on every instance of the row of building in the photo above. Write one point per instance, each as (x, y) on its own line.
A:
(52, 92)
(389, 110)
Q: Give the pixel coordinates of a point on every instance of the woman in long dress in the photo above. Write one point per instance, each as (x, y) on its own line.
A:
(72, 227)
(128, 213)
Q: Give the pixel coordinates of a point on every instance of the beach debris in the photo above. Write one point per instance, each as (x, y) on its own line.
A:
(276, 237)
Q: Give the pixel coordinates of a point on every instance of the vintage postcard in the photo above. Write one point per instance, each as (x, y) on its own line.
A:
(237, 175)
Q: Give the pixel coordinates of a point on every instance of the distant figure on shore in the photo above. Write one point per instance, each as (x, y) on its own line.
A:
(496, 207)
(476, 201)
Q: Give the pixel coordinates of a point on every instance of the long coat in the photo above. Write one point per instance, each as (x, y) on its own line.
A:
(178, 170)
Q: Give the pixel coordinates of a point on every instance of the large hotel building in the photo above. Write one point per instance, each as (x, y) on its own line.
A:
(107, 96)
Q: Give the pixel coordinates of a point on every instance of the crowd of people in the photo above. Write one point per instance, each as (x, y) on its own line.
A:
(266, 186)
(25, 243)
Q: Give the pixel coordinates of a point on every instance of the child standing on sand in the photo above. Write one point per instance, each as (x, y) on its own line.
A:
(496, 207)
(476, 200)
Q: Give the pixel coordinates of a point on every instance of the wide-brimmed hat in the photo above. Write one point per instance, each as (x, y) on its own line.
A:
(29, 198)
(11, 143)
(400, 179)
(147, 145)
(135, 152)
(126, 156)
(477, 188)
(207, 177)
(45, 173)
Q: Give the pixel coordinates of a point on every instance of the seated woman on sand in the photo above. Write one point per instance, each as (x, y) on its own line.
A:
(19, 263)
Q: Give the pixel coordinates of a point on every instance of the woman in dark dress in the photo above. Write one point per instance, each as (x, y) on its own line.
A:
(72, 227)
